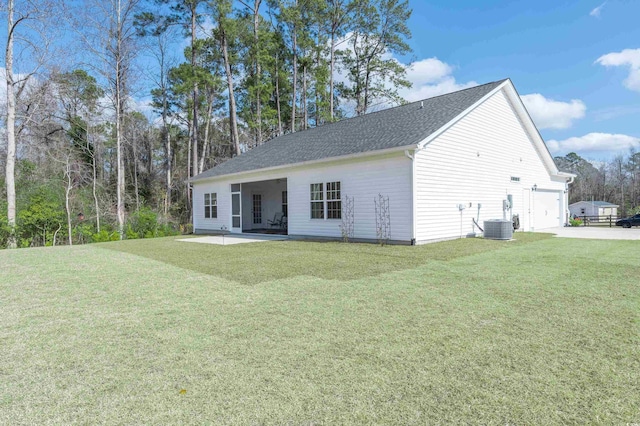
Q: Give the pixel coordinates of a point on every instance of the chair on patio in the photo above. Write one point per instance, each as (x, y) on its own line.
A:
(277, 220)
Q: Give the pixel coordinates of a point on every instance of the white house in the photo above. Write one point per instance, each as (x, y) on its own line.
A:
(443, 162)
(593, 208)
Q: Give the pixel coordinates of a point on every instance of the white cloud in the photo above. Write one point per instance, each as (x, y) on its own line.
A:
(597, 11)
(626, 58)
(428, 71)
(550, 114)
(431, 77)
(594, 142)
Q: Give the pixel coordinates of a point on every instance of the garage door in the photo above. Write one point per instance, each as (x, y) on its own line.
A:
(546, 210)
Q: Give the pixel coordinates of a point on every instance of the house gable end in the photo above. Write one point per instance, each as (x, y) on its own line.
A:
(519, 110)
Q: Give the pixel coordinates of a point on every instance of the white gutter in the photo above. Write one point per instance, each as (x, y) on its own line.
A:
(570, 176)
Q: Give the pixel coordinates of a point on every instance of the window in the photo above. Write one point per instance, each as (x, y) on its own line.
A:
(515, 179)
(334, 204)
(317, 201)
(285, 204)
(331, 203)
(211, 205)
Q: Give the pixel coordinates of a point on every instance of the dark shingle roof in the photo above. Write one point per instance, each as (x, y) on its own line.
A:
(603, 204)
(391, 128)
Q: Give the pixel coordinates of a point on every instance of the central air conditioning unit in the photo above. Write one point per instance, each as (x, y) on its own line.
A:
(498, 229)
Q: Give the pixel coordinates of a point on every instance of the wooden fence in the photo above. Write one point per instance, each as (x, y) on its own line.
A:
(609, 220)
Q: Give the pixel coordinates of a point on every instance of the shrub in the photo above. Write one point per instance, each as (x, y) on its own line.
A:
(144, 223)
(4, 226)
(130, 234)
(83, 233)
(186, 229)
(41, 218)
(104, 236)
(575, 222)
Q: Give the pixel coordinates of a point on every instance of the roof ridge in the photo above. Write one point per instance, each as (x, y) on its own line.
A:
(458, 91)
(390, 108)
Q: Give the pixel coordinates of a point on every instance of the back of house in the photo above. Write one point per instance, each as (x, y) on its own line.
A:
(425, 171)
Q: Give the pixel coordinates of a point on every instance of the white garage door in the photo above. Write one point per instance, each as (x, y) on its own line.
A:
(546, 210)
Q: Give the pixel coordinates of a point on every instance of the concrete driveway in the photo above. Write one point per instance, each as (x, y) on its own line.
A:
(595, 232)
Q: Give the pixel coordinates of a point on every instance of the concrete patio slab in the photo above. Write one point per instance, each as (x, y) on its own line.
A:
(225, 240)
(595, 232)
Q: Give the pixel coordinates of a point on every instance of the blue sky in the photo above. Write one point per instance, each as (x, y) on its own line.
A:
(576, 63)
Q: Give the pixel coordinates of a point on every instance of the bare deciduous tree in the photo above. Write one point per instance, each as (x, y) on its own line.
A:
(109, 34)
(32, 52)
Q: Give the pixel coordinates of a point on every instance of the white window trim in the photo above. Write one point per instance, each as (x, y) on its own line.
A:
(328, 200)
(325, 200)
(213, 202)
(321, 201)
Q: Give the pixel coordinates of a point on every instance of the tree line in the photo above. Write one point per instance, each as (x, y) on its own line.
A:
(85, 161)
(616, 181)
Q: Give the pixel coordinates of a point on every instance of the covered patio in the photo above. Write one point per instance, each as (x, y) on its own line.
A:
(260, 207)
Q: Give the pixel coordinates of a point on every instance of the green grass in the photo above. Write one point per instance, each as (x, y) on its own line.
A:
(535, 331)
(254, 264)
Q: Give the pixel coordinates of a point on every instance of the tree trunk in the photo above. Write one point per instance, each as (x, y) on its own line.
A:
(332, 64)
(194, 127)
(95, 196)
(207, 126)
(166, 136)
(119, 101)
(304, 98)
(135, 171)
(278, 98)
(11, 128)
(317, 89)
(188, 173)
(295, 79)
(256, 40)
(232, 98)
(67, 194)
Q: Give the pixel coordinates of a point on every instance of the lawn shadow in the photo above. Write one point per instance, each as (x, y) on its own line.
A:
(254, 263)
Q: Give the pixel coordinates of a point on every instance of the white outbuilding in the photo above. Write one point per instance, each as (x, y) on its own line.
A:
(443, 165)
(593, 208)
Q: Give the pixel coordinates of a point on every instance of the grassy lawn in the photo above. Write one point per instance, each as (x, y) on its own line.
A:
(535, 331)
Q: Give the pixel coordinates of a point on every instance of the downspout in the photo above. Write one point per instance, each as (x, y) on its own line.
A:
(412, 157)
(566, 199)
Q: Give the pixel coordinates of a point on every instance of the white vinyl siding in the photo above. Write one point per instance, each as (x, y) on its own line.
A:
(223, 201)
(472, 163)
(361, 178)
